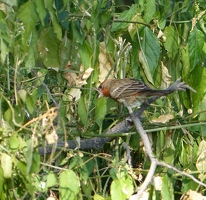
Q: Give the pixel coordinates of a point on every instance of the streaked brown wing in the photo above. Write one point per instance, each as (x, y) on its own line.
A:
(129, 87)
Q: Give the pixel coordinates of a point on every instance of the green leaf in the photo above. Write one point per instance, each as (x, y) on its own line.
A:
(77, 32)
(116, 190)
(150, 55)
(149, 10)
(198, 82)
(169, 154)
(26, 179)
(6, 164)
(35, 162)
(48, 47)
(86, 54)
(171, 44)
(167, 189)
(51, 179)
(14, 142)
(22, 94)
(57, 28)
(29, 155)
(127, 15)
(196, 43)
(98, 197)
(69, 185)
(82, 111)
(21, 166)
(4, 50)
(28, 16)
(100, 110)
(41, 10)
(122, 188)
(33, 54)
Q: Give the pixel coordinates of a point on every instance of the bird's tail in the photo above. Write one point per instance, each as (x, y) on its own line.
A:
(178, 85)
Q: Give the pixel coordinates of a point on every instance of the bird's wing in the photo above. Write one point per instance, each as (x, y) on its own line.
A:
(129, 87)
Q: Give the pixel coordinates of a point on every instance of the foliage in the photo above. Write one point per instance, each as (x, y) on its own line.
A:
(55, 52)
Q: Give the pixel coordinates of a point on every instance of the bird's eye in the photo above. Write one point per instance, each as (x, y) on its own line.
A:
(100, 87)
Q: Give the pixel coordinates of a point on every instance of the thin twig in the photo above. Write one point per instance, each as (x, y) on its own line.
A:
(163, 164)
(148, 150)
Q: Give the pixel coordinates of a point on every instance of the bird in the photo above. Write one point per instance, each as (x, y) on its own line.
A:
(133, 93)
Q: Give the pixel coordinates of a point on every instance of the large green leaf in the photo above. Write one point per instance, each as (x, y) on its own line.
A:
(196, 43)
(149, 10)
(150, 54)
(48, 46)
(27, 14)
(171, 44)
(69, 185)
(100, 110)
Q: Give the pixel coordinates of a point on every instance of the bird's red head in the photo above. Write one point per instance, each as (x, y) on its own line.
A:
(104, 88)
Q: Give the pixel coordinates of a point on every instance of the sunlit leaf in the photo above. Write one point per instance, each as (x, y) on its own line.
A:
(51, 179)
(69, 185)
(122, 188)
(98, 197)
(6, 164)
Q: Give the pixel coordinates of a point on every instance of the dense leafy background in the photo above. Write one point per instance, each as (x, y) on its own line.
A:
(58, 52)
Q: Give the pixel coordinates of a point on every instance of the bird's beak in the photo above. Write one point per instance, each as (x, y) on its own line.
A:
(100, 93)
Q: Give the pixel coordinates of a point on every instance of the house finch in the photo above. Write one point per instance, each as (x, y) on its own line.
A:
(132, 93)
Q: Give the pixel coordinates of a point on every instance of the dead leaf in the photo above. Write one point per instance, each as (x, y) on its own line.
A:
(87, 73)
(51, 137)
(163, 119)
(69, 76)
(157, 181)
(105, 63)
(193, 195)
(166, 78)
